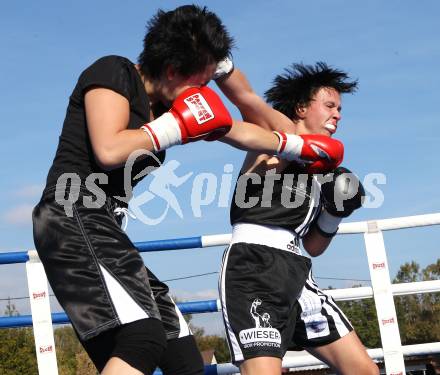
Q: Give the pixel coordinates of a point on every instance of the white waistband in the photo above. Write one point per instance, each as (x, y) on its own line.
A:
(271, 236)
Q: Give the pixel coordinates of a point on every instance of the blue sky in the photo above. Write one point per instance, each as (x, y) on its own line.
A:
(389, 126)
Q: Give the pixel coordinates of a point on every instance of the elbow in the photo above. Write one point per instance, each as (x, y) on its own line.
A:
(106, 159)
(314, 245)
(313, 251)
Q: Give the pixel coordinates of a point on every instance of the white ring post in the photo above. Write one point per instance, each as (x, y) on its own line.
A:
(383, 298)
(41, 317)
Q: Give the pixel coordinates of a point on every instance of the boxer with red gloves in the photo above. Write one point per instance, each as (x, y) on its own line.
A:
(121, 313)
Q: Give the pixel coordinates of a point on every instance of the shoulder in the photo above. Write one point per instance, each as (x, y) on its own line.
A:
(113, 72)
(109, 64)
(111, 60)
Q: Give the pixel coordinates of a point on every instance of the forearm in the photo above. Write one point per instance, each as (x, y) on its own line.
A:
(249, 137)
(314, 242)
(252, 107)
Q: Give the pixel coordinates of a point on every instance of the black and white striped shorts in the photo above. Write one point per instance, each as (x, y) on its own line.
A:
(270, 302)
(319, 320)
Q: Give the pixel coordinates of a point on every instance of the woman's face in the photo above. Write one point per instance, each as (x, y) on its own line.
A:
(173, 84)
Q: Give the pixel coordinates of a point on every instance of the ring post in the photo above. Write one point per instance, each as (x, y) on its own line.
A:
(383, 299)
(41, 317)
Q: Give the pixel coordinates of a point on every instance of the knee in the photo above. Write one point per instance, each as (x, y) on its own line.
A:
(368, 368)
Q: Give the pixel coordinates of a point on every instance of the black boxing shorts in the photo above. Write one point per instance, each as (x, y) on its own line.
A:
(262, 277)
(95, 271)
(269, 299)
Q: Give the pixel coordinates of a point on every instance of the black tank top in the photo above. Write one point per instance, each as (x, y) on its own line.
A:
(75, 154)
(290, 199)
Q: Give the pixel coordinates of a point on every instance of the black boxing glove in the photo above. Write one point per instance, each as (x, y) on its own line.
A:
(342, 193)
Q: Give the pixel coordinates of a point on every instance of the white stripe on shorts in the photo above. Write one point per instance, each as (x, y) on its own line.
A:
(184, 328)
(314, 302)
(126, 307)
(235, 350)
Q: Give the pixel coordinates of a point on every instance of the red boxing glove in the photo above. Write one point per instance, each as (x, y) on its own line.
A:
(197, 113)
(321, 166)
(319, 153)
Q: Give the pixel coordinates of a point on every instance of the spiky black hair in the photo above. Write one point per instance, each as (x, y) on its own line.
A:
(187, 38)
(299, 83)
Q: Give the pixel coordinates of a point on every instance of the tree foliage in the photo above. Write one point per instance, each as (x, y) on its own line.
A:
(418, 315)
(17, 351)
(363, 317)
(17, 348)
(71, 357)
(215, 342)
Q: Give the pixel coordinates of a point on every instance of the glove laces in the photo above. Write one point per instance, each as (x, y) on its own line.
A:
(127, 213)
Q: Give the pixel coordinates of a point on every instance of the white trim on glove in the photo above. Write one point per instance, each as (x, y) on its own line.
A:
(328, 223)
(223, 68)
(290, 146)
(164, 132)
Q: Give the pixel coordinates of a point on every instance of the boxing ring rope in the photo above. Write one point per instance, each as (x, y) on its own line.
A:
(382, 291)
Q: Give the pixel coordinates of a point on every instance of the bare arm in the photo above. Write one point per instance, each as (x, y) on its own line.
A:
(315, 243)
(250, 137)
(252, 107)
(107, 114)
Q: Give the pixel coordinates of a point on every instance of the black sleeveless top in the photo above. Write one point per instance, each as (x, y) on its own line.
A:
(290, 199)
(75, 154)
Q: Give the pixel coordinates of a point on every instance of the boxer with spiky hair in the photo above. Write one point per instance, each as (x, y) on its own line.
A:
(277, 205)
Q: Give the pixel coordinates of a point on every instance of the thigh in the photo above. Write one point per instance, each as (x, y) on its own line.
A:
(140, 344)
(258, 290)
(319, 320)
(261, 366)
(182, 357)
(346, 355)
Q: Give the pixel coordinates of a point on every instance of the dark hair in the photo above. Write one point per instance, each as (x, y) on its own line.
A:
(187, 38)
(297, 86)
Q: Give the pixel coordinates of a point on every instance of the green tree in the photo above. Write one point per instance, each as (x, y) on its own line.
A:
(215, 342)
(363, 317)
(17, 348)
(10, 309)
(84, 365)
(418, 314)
(71, 357)
(17, 352)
